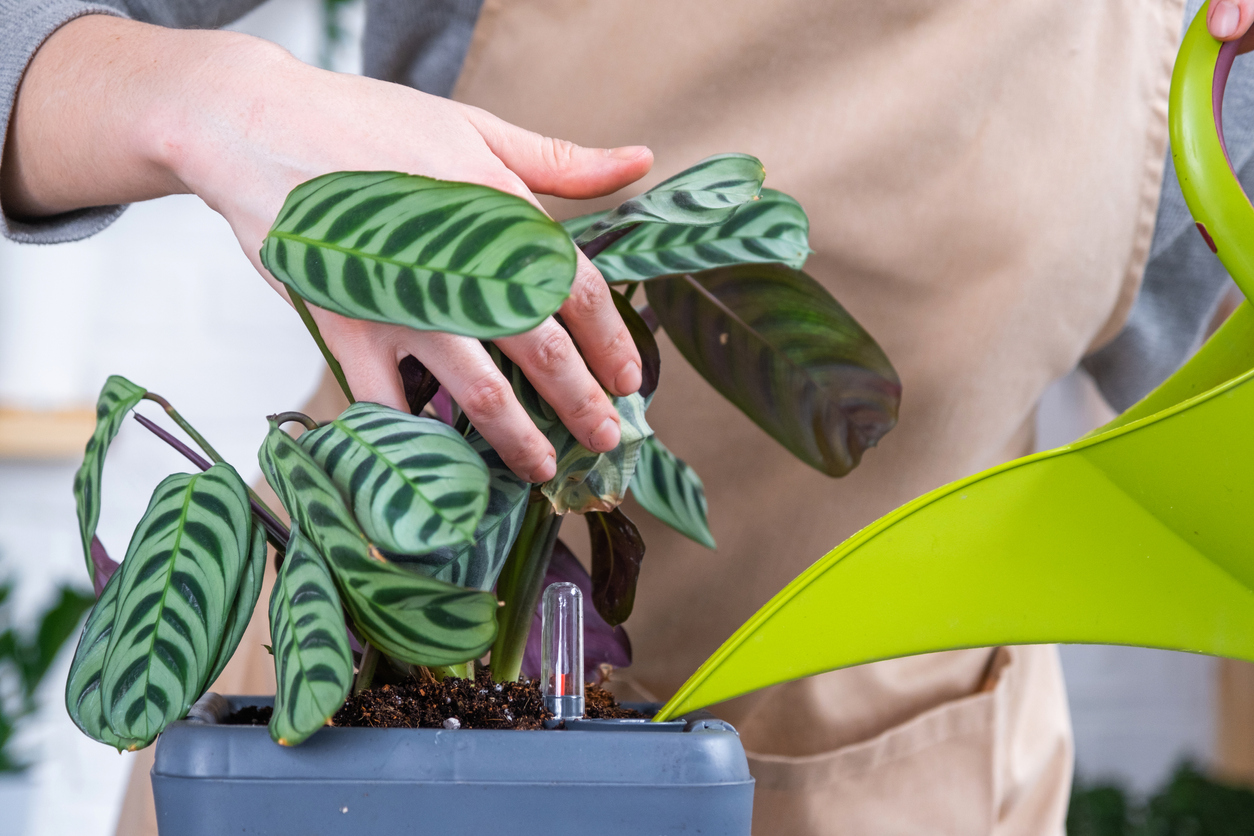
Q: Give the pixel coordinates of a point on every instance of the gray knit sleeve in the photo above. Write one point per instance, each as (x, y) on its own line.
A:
(26, 24)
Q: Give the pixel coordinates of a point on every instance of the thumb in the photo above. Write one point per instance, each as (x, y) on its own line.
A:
(557, 167)
(1230, 19)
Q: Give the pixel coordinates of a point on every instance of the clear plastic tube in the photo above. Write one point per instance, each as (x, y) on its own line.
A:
(561, 650)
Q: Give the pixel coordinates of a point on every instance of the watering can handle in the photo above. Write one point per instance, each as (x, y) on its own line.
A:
(1224, 215)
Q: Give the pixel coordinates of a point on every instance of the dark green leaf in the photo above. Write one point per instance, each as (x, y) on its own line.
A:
(55, 626)
(117, 398)
(617, 549)
(775, 343)
(179, 579)
(423, 253)
(414, 484)
(477, 564)
(670, 490)
(646, 344)
(773, 228)
(82, 687)
(708, 193)
(313, 665)
(241, 610)
(413, 618)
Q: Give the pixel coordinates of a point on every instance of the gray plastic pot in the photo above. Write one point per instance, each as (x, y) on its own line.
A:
(597, 777)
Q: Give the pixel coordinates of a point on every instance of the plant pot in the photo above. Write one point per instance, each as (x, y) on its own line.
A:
(603, 777)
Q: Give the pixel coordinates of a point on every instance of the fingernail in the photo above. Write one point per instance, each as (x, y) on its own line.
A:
(546, 471)
(1224, 19)
(605, 437)
(629, 379)
(630, 152)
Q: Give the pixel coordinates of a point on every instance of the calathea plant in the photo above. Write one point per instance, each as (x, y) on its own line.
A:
(409, 526)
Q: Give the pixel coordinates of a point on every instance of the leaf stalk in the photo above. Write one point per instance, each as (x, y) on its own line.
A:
(306, 317)
(520, 585)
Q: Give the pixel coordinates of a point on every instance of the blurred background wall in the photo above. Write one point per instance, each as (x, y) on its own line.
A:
(165, 298)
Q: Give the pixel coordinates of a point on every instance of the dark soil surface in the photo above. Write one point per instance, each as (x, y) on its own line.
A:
(482, 704)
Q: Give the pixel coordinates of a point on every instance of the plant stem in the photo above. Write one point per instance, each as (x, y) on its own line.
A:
(598, 245)
(187, 427)
(520, 585)
(370, 656)
(282, 418)
(466, 670)
(334, 365)
(276, 532)
(630, 290)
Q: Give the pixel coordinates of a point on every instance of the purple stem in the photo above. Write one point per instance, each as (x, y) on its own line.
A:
(277, 531)
(598, 245)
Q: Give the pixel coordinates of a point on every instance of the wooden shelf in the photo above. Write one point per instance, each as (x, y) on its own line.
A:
(37, 434)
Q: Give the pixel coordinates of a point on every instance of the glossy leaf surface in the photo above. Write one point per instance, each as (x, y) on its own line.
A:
(773, 228)
(707, 193)
(414, 484)
(178, 580)
(602, 644)
(477, 564)
(426, 254)
(672, 491)
(313, 666)
(414, 618)
(617, 549)
(776, 344)
(82, 687)
(241, 610)
(117, 398)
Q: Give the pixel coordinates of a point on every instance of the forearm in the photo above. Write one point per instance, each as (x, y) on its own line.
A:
(102, 112)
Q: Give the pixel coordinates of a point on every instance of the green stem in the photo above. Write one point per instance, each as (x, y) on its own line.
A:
(630, 290)
(520, 585)
(466, 670)
(334, 365)
(282, 418)
(204, 445)
(370, 656)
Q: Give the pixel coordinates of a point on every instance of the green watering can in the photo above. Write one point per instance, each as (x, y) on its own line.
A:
(1140, 533)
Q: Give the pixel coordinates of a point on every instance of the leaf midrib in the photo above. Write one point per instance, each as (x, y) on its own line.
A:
(174, 556)
(470, 537)
(315, 242)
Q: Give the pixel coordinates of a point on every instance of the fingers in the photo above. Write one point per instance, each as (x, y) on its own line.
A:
(1230, 19)
(551, 362)
(557, 167)
(593, 321)
(465, 369)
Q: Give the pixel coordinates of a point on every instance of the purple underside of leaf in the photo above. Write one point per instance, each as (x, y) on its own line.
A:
(442, 403)
(602, 644)
(105, 565)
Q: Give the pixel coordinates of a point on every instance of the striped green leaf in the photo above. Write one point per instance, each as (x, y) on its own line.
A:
(585, 481)
(670, 490)
(178, 580)
(776, 344)
(241, 610)
(414, 484)
(413, 618)
(82, 687)
(313, 665)
(117, 398)
(708, 193)
(477, 564)
(773, 228)
(423, 253)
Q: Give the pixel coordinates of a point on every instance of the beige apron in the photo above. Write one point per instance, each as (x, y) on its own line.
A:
(981, 179)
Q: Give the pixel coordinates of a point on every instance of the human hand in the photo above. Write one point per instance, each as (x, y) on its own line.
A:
(1229, 20)
(241, 123)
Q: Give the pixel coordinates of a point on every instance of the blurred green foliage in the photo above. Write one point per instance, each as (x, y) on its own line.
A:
(1191, 804)
(26, 656)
